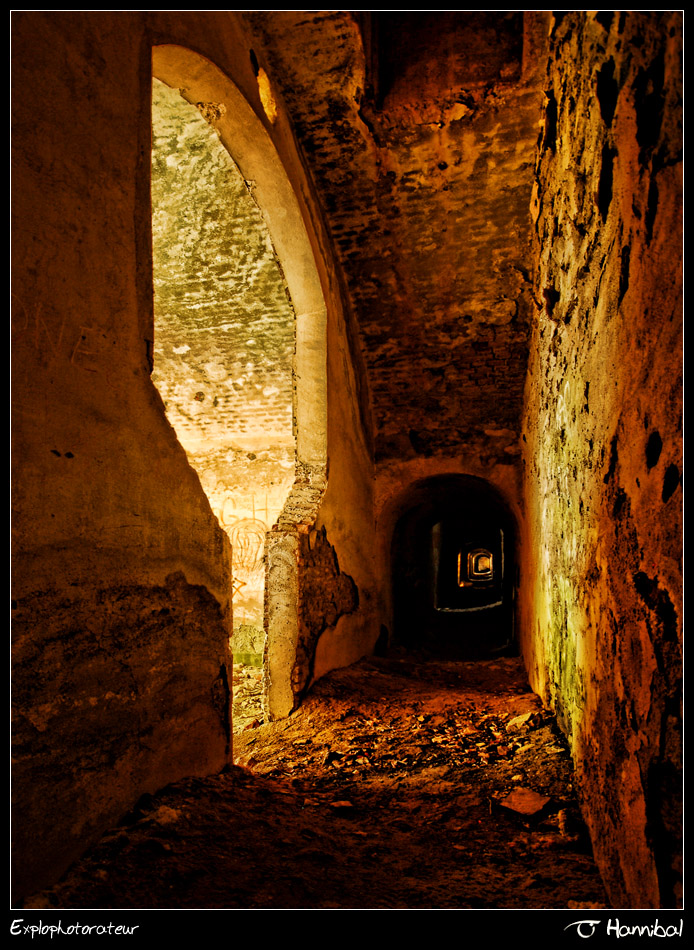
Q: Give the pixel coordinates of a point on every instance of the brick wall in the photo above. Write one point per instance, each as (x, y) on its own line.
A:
(426, 196)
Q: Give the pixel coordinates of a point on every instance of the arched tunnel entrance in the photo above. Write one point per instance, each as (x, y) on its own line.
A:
(224, 341)
(453, 562)
(241, 350)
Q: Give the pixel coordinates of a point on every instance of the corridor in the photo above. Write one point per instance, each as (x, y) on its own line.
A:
(349, 345)
(403, 782)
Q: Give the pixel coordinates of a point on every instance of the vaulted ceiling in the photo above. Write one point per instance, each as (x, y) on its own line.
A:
(420, 131)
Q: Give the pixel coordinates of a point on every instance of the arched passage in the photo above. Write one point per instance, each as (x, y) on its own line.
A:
(453, 568)
(224, 341)
(245, 138)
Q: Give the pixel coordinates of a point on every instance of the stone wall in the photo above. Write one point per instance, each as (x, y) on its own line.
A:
(116, 691)
(601, 578)
(122, 573)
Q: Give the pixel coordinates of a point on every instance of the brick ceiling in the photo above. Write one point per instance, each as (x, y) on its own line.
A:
(419, 131)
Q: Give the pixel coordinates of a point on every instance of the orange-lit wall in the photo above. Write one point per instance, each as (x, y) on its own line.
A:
(601, 570)
(121, 575)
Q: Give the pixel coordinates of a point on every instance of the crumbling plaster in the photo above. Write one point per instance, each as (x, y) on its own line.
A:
(602, 632)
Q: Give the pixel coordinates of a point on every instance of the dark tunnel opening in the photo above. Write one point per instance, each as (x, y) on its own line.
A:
(454, 570)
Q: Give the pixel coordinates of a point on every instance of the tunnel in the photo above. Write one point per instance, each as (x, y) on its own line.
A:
(454, 570)
(473, 221)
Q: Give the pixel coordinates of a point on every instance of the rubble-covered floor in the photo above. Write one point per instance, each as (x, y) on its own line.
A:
(402, 782)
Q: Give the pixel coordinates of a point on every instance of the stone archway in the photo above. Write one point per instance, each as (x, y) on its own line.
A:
(245, 138)
(453, 564)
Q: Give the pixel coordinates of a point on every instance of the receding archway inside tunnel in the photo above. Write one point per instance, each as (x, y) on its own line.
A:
(453, 562)
(224, 341)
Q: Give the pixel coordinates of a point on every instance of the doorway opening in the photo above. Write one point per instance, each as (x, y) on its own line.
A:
(240, 343)
(224, 342)
(454, 570)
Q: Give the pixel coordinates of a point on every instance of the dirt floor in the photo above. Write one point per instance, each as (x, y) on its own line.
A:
(402, 782)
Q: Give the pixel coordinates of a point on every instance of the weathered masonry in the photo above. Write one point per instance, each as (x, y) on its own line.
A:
(333, 331)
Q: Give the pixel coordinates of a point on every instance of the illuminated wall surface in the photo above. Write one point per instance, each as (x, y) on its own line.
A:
(224, 338)
(603, 636)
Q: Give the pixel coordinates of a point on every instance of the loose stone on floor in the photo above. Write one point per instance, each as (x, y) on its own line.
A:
(402, 782)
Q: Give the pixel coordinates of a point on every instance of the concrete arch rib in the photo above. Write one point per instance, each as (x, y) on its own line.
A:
(251, 148)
